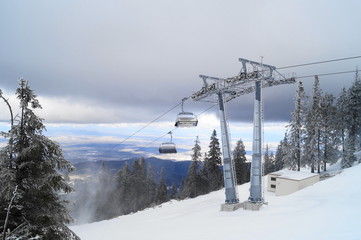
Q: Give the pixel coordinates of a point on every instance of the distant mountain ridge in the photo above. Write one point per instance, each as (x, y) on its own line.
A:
(175, 170)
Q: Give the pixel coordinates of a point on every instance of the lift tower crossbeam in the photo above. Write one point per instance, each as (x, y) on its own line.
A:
(252, 77)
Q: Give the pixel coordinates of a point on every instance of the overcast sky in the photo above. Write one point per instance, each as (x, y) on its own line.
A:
(129, 61)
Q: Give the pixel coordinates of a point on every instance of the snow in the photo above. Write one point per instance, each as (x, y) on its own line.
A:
(294, 175)
(330, 210)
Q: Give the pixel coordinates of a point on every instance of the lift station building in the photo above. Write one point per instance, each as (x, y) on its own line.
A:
(285, 182)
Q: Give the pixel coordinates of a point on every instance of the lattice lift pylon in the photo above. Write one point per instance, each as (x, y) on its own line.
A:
(226, 89)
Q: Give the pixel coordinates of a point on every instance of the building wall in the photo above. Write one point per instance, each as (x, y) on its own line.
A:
(284, 186)
(308, 182)
(271, 186)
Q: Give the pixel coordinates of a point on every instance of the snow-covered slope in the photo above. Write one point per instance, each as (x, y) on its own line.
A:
(330, 209)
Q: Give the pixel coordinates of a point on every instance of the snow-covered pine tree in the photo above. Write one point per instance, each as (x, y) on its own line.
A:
(353, 120)
(287, 157)
(105, 197)
(329, 135)
(354, 110)
(281, 154)
(173, 193)
(145, 192)
(269, 161)
(39, 212)
(313, 125)
(7, 187)
(273, 160)
(204, 178)
(151, 186)
(239, 158)
(341, 105)
(192, 185)
(296, 129)
(279, 157)
(357, 108)
(213, 163)
(162, 191)
(349, 157)
(123, 188)
(138, 190)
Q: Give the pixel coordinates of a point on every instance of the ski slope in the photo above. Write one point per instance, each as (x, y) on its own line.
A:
(330, 209)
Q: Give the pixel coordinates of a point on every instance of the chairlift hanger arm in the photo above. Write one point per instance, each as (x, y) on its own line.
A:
(204, 77)
(253, 63)
(186, 119)
(241, 84)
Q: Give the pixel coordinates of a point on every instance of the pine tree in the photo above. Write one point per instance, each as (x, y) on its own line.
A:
(162, 191)
(313, 126)
(123, 188)
(192, 185)
(203, 173)
(341, 105)
(329, 134)
(143, 190)
(138, 181)
(353, 122)
(350, 157)
(173, 194)
(288, 157)
(296, 129)
(356, 107)
(269, 161)
(212, 164)
(105, 198)
(273, 161)
(280, 154)
(40, 212)
(239, 158)
(151, 187)
(137, 188)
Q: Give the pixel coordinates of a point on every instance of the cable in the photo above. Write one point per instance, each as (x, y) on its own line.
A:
(327, 74)
(146, 126)
(299, 65)
(313, 63)
(177, 128)
(159, 137)
(206, 110)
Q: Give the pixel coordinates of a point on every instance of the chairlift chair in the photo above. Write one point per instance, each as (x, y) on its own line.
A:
(186, 119)
(168, 147)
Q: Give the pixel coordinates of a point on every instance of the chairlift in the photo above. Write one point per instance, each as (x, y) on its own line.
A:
(168, 147)
(186, 119)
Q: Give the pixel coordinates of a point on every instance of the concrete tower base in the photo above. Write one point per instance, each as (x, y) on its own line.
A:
(247, 205)
(252, 206)
(230, 207)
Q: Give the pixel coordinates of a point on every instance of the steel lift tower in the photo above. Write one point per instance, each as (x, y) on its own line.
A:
(252, 77)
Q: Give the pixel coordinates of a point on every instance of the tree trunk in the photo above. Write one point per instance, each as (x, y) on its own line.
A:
(318, 153)
(298, 151)
(325, 155)
(312, 163)
(343, 144)
(8, 212)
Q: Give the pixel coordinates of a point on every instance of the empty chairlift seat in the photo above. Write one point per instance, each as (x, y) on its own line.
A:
(167, 147)
(186, 119)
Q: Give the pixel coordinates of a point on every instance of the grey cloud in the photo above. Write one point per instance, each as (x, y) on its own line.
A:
(136, 59)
